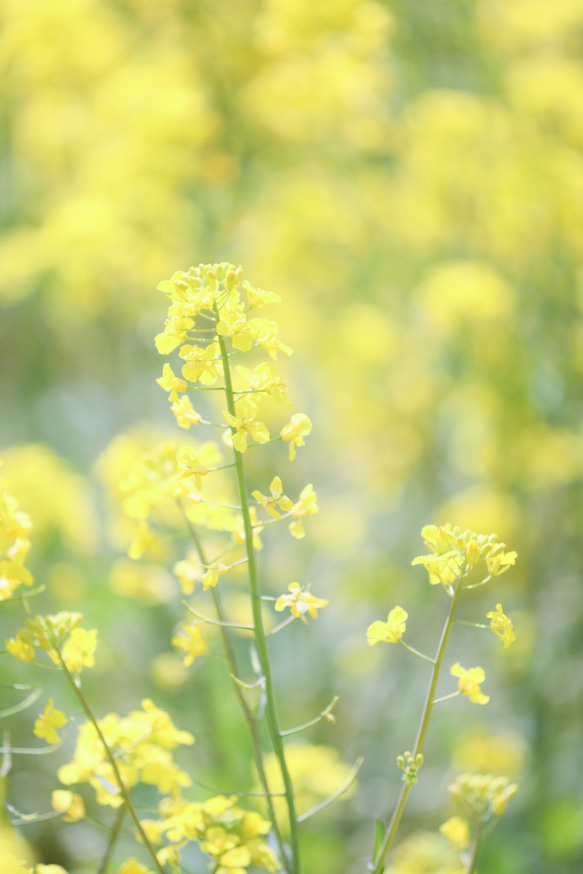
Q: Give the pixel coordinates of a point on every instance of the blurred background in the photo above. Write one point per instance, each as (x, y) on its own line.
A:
(408, 176)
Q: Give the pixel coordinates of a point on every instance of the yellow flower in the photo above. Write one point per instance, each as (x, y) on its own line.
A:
(22, 647)
(185, 413)
(244, 423)
(275, 500)
(298, 427)
(79, 649)
(457, 831)
(306, 505)
(501, 562)
(501, 625)
(443, 569)
(187, 573)
(469, 682)
(211, 576)
(236, 326)
(47, 723)
(191, 640)
(390, 631)
(68, 804)
(300, 602)
(263, 379)
(257, 297)
(171, 383)
(192, 467)
(201, 363)
(132, 866)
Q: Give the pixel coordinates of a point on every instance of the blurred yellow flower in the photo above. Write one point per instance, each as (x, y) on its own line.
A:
(47, 723)
(390, 631)
(501, 625)
(469, 682)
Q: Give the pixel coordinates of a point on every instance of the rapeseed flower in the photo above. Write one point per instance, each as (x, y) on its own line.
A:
(469, 682)
(298, 427)
(501, 625)
(390, 631)
(48, 722)
(244, 423)
(300, 602)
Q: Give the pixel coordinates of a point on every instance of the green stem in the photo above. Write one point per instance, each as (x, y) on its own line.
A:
(474, 853)
(111, 759)
(114, 834)
(234, 672)
(260, 637)
(378, 863)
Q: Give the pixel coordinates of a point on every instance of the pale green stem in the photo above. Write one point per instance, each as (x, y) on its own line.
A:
(234, 672)
(416, 652)
(260, 637)
(378, 863)
(111, 759)
(113, 836)
(471, 869)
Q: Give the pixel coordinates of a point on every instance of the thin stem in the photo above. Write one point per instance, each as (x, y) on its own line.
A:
(378, 863)
(447, 697)
(113, 836)
(234, 672)
(112, 761)
(472, 624)
(210, 621)
(473, 856)
(331, 798)
(416, 652)
(260, 637)
(324, 713)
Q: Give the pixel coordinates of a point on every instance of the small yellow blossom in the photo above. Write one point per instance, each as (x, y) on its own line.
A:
(300, 602)
(443, 569)
(276, 500)
(202, 363)
(132, 866)
(191, 466)
(390, 631)
(457, 831)
(211, 576)
(500, 562)
(171, 383)
(236, 326)
(188, 573)
(22, 647)
(306, 505)
(191, 640)
(47, 723)
(264, 379)
(185, 413)
(501, 625)
(298, 427)
(79, 649)
(469, 682)
(257, 297)
(68, 804)
(245, 423)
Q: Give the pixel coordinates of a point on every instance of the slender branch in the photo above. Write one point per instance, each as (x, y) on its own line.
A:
(447, 697)
(210, 621)
(472, 624)
(377, 865)
(112, 761)
(113, 836)
(416, 652)
(323, 715)
(233, 672)
(260, 636)
(345, 786)
(473, 854)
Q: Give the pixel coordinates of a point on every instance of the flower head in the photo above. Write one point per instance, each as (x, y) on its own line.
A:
(300, 602)
(245, 423)
(48, 722)
(501, 625)
(298, 427)
(469, 682)
(390, 631)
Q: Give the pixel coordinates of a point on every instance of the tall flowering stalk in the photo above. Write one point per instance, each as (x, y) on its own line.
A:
(455, 560)
(215, 307)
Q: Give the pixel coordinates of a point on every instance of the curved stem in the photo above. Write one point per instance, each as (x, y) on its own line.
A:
(111, 759)
(471, 869)
(260, 636)
(234, 672)
(378, 863)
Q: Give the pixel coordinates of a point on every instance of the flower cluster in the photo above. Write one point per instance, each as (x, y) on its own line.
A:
(14, 546)
(60, 636)
(454, 552)
(142, 744)
(481, 799)
(233, 838)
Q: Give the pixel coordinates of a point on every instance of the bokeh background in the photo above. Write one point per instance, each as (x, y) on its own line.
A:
(409, 177)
